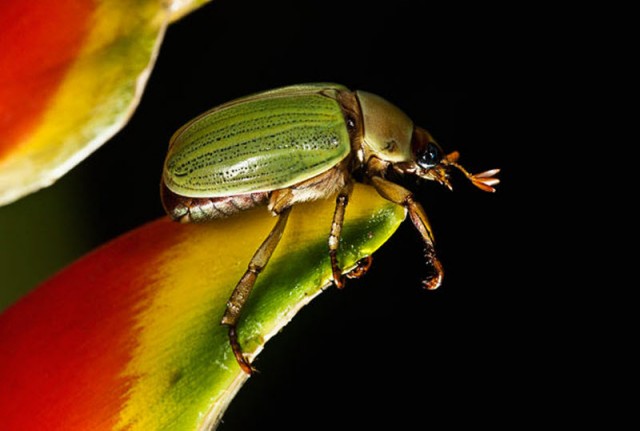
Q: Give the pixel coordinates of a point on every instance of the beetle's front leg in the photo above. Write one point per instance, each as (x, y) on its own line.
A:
(404, 197)
(245, 285)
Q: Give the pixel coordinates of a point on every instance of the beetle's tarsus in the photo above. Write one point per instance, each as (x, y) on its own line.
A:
(243, 289)
(338, 278)
(237, 352)
(361, 268)
(434, 281)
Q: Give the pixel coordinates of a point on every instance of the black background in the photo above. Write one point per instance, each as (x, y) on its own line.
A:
(383, 350)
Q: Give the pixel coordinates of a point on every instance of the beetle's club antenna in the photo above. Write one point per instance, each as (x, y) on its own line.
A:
(484, 180)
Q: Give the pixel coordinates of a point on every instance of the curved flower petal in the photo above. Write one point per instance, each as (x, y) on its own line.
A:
(129, 337)
(180, 8)
(71, 74)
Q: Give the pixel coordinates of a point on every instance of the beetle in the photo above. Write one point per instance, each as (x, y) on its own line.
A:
(295, 144)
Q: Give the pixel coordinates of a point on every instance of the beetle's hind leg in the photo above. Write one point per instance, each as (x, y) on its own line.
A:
(245, 285)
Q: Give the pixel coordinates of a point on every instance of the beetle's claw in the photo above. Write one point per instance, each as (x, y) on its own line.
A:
(431, 283)
(241, 359)
(434, 281)
(339, 281)
(361, 268)
(246, 366)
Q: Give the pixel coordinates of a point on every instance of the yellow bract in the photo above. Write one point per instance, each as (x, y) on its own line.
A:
(182, 368)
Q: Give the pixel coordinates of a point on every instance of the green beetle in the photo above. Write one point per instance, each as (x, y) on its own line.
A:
(296, 144)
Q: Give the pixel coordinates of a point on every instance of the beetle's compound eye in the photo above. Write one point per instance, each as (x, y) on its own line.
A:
(430, 157)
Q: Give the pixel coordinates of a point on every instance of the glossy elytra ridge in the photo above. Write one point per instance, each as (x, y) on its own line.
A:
(296, 144)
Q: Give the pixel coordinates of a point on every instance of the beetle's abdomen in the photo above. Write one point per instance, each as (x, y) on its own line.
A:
(257, 144)
(188, 209)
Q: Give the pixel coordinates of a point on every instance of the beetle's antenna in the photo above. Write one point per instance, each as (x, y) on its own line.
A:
(484, 180)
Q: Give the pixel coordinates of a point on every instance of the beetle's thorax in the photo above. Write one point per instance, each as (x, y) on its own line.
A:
(380, 134)
(386, 130)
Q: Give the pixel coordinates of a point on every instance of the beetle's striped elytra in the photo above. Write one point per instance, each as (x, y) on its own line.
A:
(295, 144)
(259, 145)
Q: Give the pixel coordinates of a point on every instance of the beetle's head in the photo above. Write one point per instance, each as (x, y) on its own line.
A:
(391, 136)
(431, 163)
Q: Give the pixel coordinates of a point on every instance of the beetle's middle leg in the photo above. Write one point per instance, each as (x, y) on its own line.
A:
(245, 285)
(401, 196)
(334, 240)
